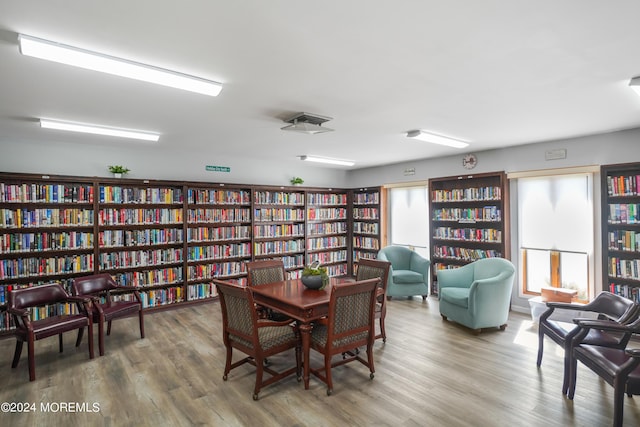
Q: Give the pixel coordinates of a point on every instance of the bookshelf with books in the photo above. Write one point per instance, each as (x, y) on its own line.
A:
(621, 229)
(279, 227)
(366, 224)
(219, 237)
(327, 230)
(140, 235)
(469, 220)
(46, 233)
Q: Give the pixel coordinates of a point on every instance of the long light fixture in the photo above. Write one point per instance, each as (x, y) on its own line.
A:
(327, 160)
(99, 130)
(57, 52)
(635, 84)
(436, 139)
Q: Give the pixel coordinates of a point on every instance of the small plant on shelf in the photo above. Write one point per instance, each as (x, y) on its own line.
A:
(118, 170)
(296, 180)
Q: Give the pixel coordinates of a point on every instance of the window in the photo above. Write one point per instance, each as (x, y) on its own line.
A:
(409, 218)
(555, 217)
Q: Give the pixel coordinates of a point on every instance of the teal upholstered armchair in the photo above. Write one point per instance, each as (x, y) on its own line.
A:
(477, 295)
(409, 273)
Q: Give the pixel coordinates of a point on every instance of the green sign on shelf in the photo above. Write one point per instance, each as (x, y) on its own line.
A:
(211, 168)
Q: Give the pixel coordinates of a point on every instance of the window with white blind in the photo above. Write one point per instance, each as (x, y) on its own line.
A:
(556, 235)
(409, 218)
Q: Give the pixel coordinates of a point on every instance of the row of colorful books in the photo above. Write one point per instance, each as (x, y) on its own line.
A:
(206, 234)
(467, 194)
(116, 194)
(141, 258)
(157, 277)
(623, 185)
(366, 198)
(322, 214)
(326, 242)
(624, 240)
(468, 234)
(631, 292)
(487, 214)
(142, 216)
(46, 193)
(278, 214)
(326, 199)
(327, 228)
(278, 247)
(278, 198)
(624, 213)
(45, 241)
(213, 252)
(219, 215)
(144, 237)
(464, 254)
(26, 267)
(330, 257)
(206, 271)
(366, 213)
(363, 242)
(278, 230)
(624, 268)
(218, 197)
(365, 227)
(22, 218)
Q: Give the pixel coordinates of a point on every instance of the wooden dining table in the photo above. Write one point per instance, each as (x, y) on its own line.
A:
(304, 305)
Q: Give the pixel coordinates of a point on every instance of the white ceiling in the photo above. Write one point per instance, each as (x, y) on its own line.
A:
(495, 73)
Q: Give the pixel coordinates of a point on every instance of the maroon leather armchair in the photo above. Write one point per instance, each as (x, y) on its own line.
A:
(29, 331)
(101, 289)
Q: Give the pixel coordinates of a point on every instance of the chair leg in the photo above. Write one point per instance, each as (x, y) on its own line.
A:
(32, 362)
(79, 339)
(109, 328)
(141, 319)
(90, 338)
(17, 353)
(569, 361)
(327, 369)
(227, 365)
(618, 401)
(101, 335)
(60, 342)
(540, 344)
(372, 370)
(259, 373)
(573, 368)
(382, 331)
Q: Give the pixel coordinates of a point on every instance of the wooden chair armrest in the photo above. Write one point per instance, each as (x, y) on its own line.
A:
(20, 312)
(606, 325)
(634, 352)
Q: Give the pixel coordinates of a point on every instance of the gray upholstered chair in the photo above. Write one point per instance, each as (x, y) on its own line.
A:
(350, 324)
(477, 295)
(371, 269)
(409, 273)
(258, 339)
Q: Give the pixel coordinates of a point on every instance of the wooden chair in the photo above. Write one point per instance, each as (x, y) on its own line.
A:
(258, 339)
(613, 307)
(263, 272)
(370, 269)
(350, 324)
(619, 367)
(102, 288)
(21, 300)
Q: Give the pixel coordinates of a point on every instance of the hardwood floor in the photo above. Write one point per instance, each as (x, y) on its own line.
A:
(429, 373)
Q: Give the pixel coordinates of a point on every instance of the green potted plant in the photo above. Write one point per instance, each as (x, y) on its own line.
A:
(296, 180)
(314, 276)
(118, 170)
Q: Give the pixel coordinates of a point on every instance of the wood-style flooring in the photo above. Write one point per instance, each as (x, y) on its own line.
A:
(429, 373)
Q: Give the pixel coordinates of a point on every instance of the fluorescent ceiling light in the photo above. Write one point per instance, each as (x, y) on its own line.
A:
(326, 160)
(635, 84)
(99, 130)
(436, 139)
(52, 51)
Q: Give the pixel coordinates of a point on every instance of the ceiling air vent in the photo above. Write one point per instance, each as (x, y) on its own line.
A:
(307, 123)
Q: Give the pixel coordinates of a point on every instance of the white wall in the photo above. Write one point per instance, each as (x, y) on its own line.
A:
(608, 148)
(149, 162)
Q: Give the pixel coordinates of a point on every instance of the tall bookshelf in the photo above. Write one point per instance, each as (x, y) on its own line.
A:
(621, 229)
(46, 233)
(218, 237)
(279, 227)
(141, 238)
(469, 220)
(366, 224)
(169, 238)
(327, 230)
